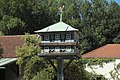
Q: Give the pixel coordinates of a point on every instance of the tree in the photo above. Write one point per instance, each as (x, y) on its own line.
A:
(1, 33)
(99, 26)
(9, 24)
(30, 64)
(28, 56)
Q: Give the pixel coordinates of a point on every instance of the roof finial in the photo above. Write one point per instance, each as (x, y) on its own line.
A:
(61, 11)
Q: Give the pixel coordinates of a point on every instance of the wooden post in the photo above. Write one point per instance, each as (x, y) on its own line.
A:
(60, 67)
(60, 73)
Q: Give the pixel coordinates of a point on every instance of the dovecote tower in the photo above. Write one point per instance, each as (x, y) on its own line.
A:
(59, 39)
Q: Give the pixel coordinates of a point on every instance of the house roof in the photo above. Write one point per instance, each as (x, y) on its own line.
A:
(60, 26)
(9, 44)
(107, 51)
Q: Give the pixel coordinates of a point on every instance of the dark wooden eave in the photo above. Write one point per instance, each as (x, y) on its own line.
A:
(60, 44)
(59, 54)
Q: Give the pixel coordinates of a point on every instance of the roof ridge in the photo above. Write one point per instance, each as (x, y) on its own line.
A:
(66, 28)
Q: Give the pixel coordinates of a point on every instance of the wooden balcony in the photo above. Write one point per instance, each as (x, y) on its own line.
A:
(59, 44)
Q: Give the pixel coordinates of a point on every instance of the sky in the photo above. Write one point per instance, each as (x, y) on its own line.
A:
(118, 1)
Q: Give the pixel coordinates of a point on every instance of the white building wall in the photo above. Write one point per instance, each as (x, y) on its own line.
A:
(105, 70)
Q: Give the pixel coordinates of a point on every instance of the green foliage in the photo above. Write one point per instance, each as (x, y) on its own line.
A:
(96, 61)
(76, 71)
(98, 20)
(96, 77)
(8, 24)
(28, 58)
(45, 74)
(99, 26)
(1, 33)
(117, 39)
(115, 73)
(42, 75)
(31, 66)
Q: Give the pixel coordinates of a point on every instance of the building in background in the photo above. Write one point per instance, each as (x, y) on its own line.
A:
(107, 51)
(8, 67)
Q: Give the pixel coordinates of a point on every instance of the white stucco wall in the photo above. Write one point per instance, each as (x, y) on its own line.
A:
(105, 70)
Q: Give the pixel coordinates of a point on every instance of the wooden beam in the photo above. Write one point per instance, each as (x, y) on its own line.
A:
(68, 64)
(51, 62)
(60, 73)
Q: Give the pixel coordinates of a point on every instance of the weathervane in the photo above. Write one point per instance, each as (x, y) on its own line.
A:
(61, 11)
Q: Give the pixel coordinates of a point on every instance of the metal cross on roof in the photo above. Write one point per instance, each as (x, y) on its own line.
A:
(61, 11)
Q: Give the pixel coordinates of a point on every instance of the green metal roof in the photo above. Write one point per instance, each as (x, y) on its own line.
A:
(4, 61)
(60, 26)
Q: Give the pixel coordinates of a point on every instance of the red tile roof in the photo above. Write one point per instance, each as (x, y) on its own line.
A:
(9, 44)
(107, 51)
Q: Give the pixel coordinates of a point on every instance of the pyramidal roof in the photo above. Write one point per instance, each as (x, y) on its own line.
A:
(60, 26)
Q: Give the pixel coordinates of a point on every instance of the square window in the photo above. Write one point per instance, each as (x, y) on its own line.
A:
(46, 37)
(57, 36)
(68, 36)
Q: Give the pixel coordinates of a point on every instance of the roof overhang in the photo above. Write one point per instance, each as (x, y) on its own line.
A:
(5, 61)
(57, 27)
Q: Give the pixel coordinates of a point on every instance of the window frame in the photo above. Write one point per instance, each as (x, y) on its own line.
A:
(46, 37)
(68, 36)
(57, 36)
